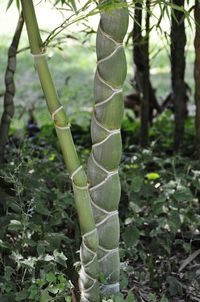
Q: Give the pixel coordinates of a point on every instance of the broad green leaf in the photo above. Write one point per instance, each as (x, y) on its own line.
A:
(131, 236)
(123, 280)
(158, 208)
(45, 296)
(102, 278)
(151, 297)
(164, 299)
(53, 289)
(50, 277)
(3, 244)
(183, 194)
(14, 206)
(41, 208)
(30, 262)
(40, 249)
(175, 287)
(152, 176)
(33, 290)
(15, 225)
(8, 272)
(47, 258)
(119, 298)
(136, 183)
(60, 258)
(174, 221)
(7, 298)
(22, 295)
(130, 297)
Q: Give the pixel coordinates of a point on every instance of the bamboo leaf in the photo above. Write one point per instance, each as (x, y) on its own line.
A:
(9, 4)
(70, 3)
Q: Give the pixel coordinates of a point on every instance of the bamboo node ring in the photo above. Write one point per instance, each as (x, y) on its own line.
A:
(55, 112)
(38, 55)
(75, 172)
(63, 127)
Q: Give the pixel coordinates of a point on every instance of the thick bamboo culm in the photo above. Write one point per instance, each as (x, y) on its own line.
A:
(88, 252)
(106, 138)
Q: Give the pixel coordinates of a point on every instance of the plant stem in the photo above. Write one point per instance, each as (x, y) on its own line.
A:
(106, 138)
(197, 75)
(10, 88)
(89, 270)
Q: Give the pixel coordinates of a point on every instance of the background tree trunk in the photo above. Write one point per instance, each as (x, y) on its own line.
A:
(197, 74)
(141, 81)
(145, 101)
(179, 95)
(10, 88)
(140, 59)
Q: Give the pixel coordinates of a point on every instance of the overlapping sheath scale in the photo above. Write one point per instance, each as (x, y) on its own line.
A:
(106, 151)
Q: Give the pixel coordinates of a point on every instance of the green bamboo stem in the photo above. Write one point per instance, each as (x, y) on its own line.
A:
(89, 271)
(106, 138)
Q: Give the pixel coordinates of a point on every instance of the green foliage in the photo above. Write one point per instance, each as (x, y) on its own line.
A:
(130, 297)
(70, 3)
(35, 207)
(17, 2)
(39, 237)
(162, 200)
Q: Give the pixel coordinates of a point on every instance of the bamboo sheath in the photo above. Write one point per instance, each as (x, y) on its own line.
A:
(88, 252)
(106, 138)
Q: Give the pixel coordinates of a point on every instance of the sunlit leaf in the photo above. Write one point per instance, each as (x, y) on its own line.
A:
(152, 176)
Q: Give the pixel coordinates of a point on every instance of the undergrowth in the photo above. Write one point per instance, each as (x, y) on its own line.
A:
(159, 215)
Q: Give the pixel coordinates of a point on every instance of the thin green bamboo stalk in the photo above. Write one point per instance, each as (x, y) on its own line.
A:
(89, 271)
(106, 138)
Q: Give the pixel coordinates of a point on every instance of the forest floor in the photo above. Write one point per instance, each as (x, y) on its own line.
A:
(159, 217)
